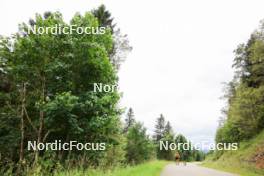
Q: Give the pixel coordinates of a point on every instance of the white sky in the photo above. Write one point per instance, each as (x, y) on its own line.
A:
(182, 52)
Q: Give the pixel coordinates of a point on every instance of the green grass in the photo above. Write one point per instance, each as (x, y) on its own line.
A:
(152, 168)
(239, 161)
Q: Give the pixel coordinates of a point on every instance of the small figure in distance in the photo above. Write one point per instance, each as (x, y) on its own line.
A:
(177, 158)
(184, 163)
(184, 157)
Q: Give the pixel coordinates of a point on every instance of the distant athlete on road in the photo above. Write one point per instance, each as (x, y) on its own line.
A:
(184, 157)
(177, 158)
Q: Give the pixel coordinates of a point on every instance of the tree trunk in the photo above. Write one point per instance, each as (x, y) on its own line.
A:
(22, 125)
(41, 119)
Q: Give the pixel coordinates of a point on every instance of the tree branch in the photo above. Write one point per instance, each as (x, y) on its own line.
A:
(29, 120)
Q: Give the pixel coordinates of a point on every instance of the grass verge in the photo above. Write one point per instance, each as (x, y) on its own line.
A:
(242, 161)
(152, 168)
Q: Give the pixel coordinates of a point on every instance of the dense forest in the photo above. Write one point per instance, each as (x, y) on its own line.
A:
(47, 94)
(244, 114)
(243, 117)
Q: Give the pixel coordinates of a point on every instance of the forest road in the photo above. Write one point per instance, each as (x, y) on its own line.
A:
(192, 169)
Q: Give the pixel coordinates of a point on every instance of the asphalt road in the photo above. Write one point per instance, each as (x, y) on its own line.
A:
(192, 169)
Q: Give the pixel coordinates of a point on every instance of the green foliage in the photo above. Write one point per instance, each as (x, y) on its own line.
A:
(47, 94)
(159, 128)
(245, 110)
(121, 44)
(166, 154)
(139, 147)
(130, 120)
(198, 156)
(186, 155)
(164, 134)
(60, 111)
(104, 17)
(152, 168)
(243, 161)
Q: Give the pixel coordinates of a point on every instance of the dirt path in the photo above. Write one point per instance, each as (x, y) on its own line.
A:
(191, 169)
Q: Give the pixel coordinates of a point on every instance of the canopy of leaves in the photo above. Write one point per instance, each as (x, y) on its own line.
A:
(48, 85)
(245, 109)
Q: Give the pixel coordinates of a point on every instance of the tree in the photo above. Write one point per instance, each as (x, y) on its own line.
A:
(104, 17)
(47, 93)
(163, 133)
(169, 153)
(169, 137)
(198, 155)
(121, 46)
(139, 147)
(168, 128)
(185, 153)
(130, 120)
(120, 49)
(159, 128)
(244, 110)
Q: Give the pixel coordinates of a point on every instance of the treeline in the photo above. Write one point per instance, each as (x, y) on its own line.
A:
(164, 133)
(244, 114)
(46, 94)
(141, 146)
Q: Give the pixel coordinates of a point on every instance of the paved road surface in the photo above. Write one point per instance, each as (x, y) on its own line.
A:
(191, 169)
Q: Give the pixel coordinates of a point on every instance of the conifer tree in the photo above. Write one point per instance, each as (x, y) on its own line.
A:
(159, 128)
(130, 120)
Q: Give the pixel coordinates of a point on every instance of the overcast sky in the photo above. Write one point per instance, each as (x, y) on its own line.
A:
(182, 52)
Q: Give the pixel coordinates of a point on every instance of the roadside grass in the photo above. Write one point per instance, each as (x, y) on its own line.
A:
(152, 168)
(240, 161)
(231, 169)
